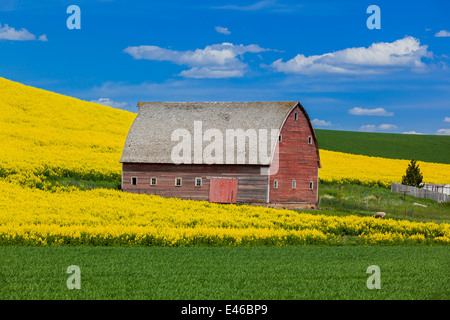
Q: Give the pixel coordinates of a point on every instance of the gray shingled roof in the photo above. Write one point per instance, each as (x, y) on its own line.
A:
(149, 139)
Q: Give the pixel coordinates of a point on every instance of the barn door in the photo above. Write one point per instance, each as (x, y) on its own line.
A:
(223, 190)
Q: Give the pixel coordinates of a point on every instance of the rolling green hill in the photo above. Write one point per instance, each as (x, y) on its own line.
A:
(429, 148)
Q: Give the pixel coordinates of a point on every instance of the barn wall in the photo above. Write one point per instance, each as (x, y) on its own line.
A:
(252, 186)
(298, 161)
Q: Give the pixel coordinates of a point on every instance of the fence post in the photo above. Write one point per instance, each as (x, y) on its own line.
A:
(423, 193)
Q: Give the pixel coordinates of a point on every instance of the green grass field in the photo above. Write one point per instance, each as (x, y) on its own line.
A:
(336, 199)
(266, 273)
(428, 148)
(291, 273)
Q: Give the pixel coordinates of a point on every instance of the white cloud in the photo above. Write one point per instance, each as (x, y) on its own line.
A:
(442, 34)
(223, 30)
(252, 7)
(10, 33)
(381, 127)
(212, 73)
(381, 57)
(321, 123)
(43, 38)
(111, 103)
(412, 132)
(368, 127)
(214, 61)
(264, 5)
(447, 119)
(445, 132)
(386, 126)
(357, 111)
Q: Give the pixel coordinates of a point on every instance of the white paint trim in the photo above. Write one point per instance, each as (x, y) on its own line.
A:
(317, 188)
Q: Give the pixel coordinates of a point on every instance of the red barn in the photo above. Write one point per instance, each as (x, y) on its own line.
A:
(227, 152)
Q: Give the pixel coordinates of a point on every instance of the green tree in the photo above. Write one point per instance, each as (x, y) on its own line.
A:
(413, 176)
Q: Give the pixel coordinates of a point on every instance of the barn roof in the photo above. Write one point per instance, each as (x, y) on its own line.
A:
(150, 137)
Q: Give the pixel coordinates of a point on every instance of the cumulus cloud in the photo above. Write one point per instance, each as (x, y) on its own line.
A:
(381, 57)
(43, 38)
(212, 73)
(321, 123)
(412, 132)
(442, 34)
(381, 127)
(214, 61)
(445, 132)
(252, 7)
(447, 119)
(10, 33)
(368, 127)
(223, 30)
(264, 5)
(110, 103)
(370, 112)
(387, 127)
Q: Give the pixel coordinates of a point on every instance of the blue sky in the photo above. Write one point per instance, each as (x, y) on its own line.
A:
(321, 53)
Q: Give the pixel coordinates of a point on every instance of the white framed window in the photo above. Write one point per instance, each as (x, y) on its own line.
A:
(153, 181)
(309, 140)
(133, 181)
(178, 182)
(295, 116)
(311, 185)
(198, 182)
(294, 184)
(275, 184)
(279, 138)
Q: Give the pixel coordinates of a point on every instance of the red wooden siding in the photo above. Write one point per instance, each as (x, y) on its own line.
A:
(223, 190)
(251, 185)
(298, 161)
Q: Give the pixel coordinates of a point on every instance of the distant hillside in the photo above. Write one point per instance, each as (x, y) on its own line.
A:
(52, 134)
(50, 140)
(429, 148)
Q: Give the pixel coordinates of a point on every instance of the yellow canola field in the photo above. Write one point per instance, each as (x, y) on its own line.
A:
(109, 217)
(41, 129)
(345, 167)
(44, 133)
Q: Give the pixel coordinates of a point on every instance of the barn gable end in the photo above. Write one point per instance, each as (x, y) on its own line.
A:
(299, 161)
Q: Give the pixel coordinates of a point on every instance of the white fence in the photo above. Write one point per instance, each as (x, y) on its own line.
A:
(442, 188)
(419, 192)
